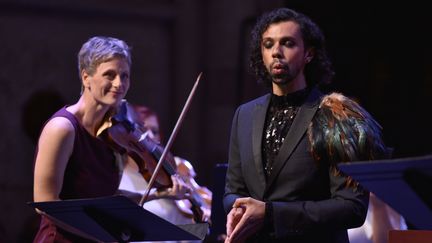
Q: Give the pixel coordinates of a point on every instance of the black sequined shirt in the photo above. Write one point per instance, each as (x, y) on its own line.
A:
(280, 115)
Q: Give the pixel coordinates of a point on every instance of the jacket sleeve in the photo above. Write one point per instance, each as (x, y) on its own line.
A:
(346, 208)
(235, 186)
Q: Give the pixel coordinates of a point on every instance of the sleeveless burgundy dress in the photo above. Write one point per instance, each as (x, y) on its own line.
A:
(91, 172)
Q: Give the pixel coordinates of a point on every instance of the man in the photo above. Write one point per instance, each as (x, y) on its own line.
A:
(282, 181)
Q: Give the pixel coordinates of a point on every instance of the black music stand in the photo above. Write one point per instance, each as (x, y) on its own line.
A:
(116, 219)
(405, 184)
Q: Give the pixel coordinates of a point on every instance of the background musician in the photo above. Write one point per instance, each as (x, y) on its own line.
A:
(168, 204)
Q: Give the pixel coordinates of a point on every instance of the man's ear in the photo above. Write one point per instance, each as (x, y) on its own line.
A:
(309, 55)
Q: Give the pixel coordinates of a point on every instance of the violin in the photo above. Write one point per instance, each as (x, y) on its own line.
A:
(202, 195)
(126, 135)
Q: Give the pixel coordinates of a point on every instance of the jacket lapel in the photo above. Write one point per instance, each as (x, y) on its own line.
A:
(295, 133)
(259, 115)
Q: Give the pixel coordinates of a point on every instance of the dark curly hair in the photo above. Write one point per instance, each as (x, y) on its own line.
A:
(318, 71)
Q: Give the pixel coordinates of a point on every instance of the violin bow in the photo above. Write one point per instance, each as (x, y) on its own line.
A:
(170, 141)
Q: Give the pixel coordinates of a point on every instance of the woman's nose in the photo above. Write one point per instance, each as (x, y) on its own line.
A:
(119, 82)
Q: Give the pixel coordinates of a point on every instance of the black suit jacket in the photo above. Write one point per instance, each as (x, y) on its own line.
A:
(310, 203)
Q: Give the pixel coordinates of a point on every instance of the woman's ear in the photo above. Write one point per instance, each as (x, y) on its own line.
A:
(85, 77)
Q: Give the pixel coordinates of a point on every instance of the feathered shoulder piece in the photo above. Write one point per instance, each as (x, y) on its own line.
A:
(342, 131)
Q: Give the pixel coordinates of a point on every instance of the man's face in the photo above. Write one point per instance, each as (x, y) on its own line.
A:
(284, 53)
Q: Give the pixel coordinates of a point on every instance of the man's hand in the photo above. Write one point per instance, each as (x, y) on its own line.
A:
(233, 219)
(245, 218)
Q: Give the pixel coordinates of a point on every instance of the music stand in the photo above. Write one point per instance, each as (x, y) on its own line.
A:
(116, 219)
(404, 184)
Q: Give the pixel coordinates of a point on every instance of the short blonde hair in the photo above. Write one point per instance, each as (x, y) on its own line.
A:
(101, 49)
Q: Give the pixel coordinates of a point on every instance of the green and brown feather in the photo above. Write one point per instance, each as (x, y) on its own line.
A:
(342, 131)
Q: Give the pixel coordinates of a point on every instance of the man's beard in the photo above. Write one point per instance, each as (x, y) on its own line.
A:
(283, 78)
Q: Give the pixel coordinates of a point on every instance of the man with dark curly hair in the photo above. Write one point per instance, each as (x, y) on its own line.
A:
(282, 182)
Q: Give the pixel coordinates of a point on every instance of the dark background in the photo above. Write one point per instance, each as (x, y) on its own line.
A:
(381, 53)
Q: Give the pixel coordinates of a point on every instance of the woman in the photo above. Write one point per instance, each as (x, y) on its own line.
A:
(71, 162)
